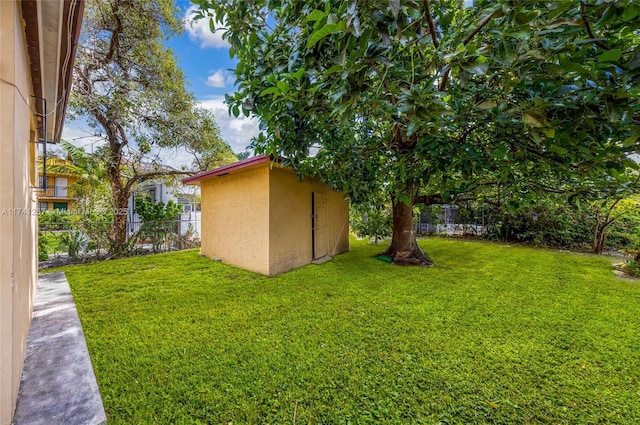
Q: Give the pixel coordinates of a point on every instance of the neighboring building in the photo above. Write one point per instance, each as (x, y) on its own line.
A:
(257, 215)
(38, 39)
(56, 195)
(157, 190)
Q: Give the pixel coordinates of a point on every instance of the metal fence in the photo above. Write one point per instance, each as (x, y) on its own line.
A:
(453, 220)
(84, 240)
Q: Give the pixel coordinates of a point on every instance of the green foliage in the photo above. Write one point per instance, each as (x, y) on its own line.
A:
(434, 97)
(48, 243)
(150, 211)
(632, 267)
(91, 190)
(177, 338)
(243, 155)
(371, 220)
(128, 86)
(201, 138)
(158, 220)
(546, 224)
(75, 242)
(57, 219)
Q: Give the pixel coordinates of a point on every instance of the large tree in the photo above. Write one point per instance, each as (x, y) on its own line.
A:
(422, 97)
(129, 87)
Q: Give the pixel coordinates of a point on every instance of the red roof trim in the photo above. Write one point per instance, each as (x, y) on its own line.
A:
(255, 160)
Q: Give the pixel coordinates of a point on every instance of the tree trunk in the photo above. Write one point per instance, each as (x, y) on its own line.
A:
(404, 249)
(600, 233)
(599, 237)
(119, 240)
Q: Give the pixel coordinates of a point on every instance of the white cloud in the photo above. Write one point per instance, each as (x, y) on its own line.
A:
(200, 32)
(220, 78)
(239, 131)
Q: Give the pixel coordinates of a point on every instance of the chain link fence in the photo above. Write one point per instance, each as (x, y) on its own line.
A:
(80, 241)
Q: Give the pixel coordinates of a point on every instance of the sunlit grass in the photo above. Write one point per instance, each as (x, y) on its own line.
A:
(492, 334)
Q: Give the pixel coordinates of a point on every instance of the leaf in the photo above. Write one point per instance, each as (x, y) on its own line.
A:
(610, 56)
(334, 68)
(533, 120)
(395, 7)
(270, 90)
(316, 15)
(493, 405)
(321, 33)
(412, 127)
(569, 88)
(298, 74)
(630, 12)
(487, 105)
(558, 150)
(480, 67)
(630, 141)
(283, 86)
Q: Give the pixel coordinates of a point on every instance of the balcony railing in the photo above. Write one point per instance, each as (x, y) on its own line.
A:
(55, 192)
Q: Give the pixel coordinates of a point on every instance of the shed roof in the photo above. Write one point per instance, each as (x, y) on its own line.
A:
(226, 169)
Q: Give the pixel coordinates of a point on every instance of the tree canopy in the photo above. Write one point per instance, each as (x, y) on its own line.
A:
(129, 87)
(427, 98)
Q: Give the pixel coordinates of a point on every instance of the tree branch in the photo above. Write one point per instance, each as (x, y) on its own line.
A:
(587, 25)
(432, 27)
(467, 40)
(138, 177)
(479, 27)
(114, 42)
(432, 199)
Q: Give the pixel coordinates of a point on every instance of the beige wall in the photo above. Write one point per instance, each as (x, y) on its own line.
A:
(338, 223)
(17, 201)
(235, 216)
(291, 223)
(51, 200)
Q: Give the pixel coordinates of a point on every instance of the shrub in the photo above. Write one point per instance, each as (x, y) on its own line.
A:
(75, 242)
(371, 221)
(48, 243)
(632, 266)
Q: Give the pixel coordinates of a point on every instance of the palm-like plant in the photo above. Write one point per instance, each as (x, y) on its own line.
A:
(91, 189)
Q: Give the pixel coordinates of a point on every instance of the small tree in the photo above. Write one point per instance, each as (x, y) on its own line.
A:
(129, 87)
(158, 220)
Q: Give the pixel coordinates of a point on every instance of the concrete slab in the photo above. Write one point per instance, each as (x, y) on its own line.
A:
(58, 385)
(322, 260)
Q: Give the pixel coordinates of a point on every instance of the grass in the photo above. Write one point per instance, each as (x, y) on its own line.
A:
(492, 334)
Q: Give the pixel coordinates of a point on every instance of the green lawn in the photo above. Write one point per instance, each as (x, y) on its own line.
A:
(492, 334)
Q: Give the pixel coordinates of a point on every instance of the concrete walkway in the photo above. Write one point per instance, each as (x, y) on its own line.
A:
(58, 385)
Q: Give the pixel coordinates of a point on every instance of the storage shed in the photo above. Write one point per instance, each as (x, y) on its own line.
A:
(257, 215)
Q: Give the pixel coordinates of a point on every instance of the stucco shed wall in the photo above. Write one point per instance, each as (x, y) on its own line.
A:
(235, 218)
(290, 220)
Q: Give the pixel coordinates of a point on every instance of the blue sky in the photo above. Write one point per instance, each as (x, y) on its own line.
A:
(204, 58)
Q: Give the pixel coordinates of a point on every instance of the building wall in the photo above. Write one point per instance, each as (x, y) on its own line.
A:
(290, 226)
(235, 219)
(52, 200)
(17, 204)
